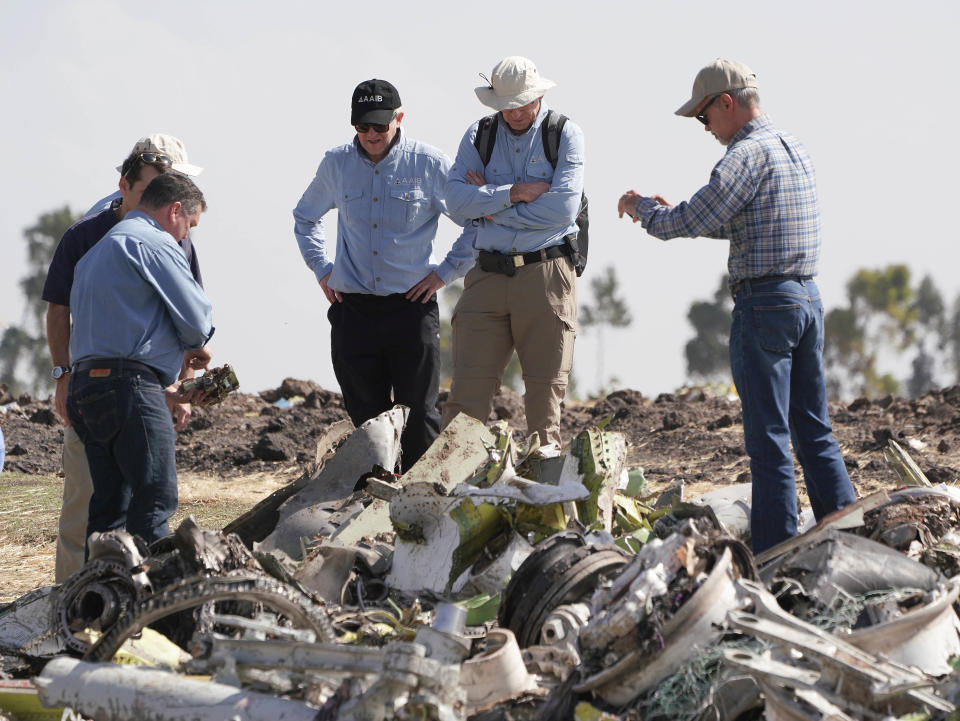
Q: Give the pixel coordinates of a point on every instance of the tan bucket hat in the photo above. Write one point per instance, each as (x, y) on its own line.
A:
(718, 77)
(166, 145)
(514, 82)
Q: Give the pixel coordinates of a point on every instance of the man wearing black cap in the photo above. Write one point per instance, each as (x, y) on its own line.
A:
(382, 282)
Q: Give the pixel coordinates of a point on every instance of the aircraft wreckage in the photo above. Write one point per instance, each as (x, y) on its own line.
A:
(499, 580)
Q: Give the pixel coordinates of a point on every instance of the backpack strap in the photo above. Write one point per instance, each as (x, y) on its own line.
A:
(551, 131)
(486, 137)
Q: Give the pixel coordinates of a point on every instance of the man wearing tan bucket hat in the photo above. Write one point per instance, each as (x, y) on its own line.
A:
(762, 196)
(522, 293)
(151, 156)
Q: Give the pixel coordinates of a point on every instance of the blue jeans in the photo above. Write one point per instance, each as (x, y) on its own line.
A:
(127, 431)
(776, 348)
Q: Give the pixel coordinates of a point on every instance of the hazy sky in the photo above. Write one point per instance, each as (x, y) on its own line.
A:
(258, 92)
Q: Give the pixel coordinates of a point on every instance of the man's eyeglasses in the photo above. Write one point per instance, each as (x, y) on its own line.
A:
(702, 115)
(367, 127)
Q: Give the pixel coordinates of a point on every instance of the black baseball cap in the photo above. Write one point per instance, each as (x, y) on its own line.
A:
(374, 101)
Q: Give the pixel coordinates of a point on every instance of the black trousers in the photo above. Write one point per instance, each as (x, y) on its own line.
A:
(386, 350)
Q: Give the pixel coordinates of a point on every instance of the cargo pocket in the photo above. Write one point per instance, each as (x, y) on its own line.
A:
(406, 207)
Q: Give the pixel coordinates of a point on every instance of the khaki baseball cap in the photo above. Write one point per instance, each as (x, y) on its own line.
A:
(166, 145)
(718, 77)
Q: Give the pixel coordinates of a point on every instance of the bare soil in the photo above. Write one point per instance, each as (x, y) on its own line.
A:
(696, 437)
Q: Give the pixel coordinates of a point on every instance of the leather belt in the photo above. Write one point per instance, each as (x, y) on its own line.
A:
(114, 364)
(507, 263)
(741, 284)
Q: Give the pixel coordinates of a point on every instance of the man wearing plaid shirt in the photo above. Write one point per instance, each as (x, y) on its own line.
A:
(762, 196)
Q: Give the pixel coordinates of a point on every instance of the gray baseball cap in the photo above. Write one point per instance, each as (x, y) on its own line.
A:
(718, 77)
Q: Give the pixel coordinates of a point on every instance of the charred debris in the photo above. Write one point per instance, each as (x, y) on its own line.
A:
(501, 580)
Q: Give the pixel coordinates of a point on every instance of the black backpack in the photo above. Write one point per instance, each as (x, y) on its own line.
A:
(551, 132)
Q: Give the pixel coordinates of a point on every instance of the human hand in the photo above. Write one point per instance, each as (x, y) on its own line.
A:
(528, 192)
(475, 178)
(426, 287)
(60, 398)
(333, 296)
(660, 199)
(628, 204)
(198, 359)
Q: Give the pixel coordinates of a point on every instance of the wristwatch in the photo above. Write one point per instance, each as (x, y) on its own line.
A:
(60, 371)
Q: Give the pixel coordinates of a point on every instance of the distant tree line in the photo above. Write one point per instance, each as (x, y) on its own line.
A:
(888, 322)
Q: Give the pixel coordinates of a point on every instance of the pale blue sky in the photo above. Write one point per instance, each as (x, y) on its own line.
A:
(259, 91)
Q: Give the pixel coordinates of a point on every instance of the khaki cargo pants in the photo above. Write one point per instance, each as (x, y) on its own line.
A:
(534, 312)
(77, 489)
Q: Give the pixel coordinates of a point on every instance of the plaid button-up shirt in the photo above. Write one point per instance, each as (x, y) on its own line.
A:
(762, 196)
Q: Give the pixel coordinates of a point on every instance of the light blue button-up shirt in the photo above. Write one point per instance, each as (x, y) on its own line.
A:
(133, 297)
(523, 227)
(387, 219)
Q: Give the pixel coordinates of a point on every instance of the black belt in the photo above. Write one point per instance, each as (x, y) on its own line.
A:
(741, 284)
(113, 363)
(507, 263)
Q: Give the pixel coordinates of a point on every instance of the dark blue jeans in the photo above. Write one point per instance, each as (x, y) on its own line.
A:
(776, 348)
(126, 428)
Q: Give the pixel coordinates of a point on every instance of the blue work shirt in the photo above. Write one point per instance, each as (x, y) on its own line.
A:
(133, 297)
(388, 214)
(521, 227)
(79, 238)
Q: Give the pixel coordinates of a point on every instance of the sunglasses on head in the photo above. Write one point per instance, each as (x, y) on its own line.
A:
(156, 159)
(702, 115)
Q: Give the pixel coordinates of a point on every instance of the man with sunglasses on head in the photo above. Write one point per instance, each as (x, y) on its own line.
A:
(762, 197)
(382, 282)
(522, 294)
(139, 314)
(151, 156)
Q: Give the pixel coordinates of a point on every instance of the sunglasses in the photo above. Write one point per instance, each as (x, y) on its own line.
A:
(156, 159)
(367, 127)
(702, 115)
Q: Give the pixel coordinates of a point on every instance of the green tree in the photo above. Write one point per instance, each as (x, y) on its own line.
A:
(24, 361)
(885, 315)
(708, 352)
(608, 309)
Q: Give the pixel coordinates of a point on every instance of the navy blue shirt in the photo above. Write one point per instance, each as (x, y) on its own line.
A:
(81, 237)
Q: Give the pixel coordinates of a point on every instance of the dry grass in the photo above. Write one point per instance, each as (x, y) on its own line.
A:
(30, 507)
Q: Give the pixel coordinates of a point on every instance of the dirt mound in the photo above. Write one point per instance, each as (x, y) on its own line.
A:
(695, 436)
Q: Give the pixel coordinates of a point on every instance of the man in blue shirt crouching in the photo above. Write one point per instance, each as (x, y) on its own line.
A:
(136, 311)
(384, 321)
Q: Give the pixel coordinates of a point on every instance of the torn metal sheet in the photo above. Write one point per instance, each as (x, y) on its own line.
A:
(452, 457)
(438, 537)
(845, 675)
(491, 574)
(602, 459)
(375, 443)
(925, 637)
(833, 562)
(850, 516)
(109, 692)
(26, 627)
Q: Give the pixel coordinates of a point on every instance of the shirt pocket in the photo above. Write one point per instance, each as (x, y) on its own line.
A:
(350, 203)
(539, 169)
(407, 207)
